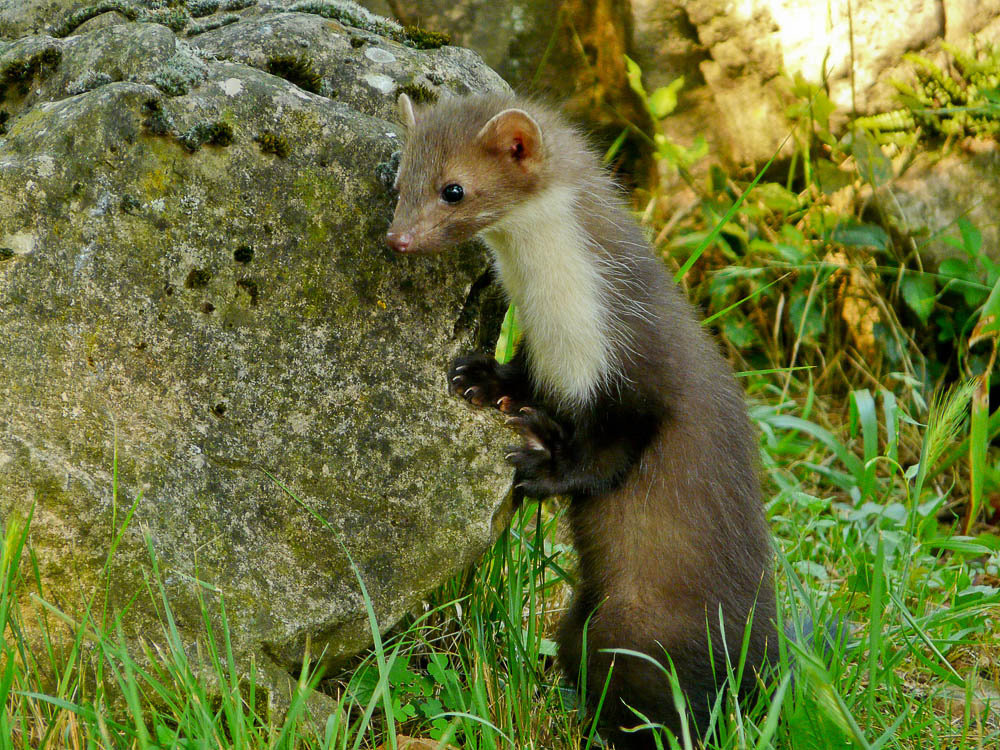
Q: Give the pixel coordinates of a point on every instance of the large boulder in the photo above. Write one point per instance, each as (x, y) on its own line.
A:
(192, 277)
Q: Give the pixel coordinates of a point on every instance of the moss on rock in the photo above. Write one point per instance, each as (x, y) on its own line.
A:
(212, 132)
(297, 69)
(273, 143)
(424, 39)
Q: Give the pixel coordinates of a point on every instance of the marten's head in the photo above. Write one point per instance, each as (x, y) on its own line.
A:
(467, 162)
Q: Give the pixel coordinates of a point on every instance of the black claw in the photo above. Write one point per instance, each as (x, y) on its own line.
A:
(474, 378)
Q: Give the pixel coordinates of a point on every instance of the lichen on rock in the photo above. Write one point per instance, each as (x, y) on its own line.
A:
(180, 73)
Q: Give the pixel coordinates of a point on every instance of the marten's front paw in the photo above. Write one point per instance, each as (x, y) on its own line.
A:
(535, 461)
(476, 379)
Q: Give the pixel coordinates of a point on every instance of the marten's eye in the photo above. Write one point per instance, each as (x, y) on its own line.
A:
(452, 193)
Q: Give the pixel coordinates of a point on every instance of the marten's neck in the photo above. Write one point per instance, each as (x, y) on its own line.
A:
(550, 272)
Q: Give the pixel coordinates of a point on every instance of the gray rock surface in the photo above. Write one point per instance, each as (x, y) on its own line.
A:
(191, 269)
(936, 191)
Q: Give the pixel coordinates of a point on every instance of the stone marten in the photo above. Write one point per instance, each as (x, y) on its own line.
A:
(623, 403)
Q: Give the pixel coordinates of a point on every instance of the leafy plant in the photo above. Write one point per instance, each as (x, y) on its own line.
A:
(659, 105)
(960, 97)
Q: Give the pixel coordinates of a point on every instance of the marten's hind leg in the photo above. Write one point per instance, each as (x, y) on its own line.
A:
(635, 683)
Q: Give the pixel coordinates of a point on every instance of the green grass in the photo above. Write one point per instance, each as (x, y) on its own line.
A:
(858, 531)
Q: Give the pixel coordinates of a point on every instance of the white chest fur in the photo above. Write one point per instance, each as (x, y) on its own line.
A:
(551, 276)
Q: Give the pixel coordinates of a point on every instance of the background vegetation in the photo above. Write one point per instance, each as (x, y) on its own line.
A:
(869, 378)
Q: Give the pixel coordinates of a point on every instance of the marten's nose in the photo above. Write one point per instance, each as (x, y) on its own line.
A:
(399, 241)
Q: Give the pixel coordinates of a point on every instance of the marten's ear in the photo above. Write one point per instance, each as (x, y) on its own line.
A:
(516, 133)
(405, 108)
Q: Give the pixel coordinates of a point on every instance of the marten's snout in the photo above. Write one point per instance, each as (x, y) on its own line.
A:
(399, 241)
